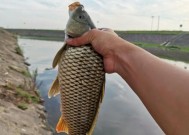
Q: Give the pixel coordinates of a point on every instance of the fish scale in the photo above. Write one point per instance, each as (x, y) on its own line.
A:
(81, 75)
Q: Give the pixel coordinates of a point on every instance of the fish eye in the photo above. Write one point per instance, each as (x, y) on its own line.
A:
(81, 17)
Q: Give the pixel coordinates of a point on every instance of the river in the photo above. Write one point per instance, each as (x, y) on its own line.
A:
(121, 113)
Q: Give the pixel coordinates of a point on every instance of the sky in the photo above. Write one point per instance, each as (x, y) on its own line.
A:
(114, 14)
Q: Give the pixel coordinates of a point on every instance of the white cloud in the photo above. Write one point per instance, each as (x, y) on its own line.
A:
(120, 14)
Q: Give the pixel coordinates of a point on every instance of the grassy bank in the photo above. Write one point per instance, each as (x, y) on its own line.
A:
(178, 49)
(176, 52)
(158, 46)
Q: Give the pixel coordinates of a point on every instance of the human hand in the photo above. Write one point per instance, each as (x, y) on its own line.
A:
(104, 41)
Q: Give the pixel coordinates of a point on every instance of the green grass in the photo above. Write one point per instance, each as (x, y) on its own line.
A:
(174, 47)
(141, 44)
(20, 70)
(182, 48)
(26, 73)
(22, 106)
(27, 96)
(19, 51)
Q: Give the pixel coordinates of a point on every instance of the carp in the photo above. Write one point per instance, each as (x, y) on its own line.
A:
(81, 78)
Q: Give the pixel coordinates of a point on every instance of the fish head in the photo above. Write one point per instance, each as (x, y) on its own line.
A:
(79, 21)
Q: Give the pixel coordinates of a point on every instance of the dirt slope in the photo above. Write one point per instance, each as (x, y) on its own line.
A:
(16, 90)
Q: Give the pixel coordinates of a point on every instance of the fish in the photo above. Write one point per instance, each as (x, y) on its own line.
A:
(81, 78)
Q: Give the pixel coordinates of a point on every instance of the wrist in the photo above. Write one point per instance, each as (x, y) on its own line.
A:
(125, 55)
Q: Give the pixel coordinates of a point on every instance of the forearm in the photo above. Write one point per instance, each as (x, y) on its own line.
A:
(162, 88)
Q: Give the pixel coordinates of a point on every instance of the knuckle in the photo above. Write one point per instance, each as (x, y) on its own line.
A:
(92, 34)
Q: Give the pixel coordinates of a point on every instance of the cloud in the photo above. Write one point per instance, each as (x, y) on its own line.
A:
(137, 14)
(33, 14)
(119, 14)
(48, 3)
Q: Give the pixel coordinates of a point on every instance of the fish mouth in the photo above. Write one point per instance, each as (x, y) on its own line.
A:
(69, 36)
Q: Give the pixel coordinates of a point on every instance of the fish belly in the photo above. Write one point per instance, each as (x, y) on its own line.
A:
(81, 77)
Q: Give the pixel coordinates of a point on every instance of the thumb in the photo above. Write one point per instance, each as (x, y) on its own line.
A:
(82, 40)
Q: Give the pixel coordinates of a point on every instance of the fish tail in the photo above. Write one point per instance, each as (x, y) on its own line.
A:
(62, 126)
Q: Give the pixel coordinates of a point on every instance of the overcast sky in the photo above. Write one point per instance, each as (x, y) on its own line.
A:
(115, 14)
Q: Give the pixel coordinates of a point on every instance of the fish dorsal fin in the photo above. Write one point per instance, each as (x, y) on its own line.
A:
(54, 90)
(58, 56)
(97, 112)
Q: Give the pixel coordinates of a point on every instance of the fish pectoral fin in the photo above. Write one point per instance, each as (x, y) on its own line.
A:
(58, 56)
(54, 90)
(62, 126)
(97, 111)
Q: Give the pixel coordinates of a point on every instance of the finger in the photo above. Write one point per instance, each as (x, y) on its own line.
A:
(84, 39)
(79, 40)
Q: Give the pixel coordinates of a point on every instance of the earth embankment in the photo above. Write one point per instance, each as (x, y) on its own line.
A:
(20, 109)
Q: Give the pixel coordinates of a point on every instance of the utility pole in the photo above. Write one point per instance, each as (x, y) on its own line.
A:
(158, 23)
(152, 22)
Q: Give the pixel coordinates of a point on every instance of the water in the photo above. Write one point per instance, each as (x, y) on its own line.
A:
(121, 112)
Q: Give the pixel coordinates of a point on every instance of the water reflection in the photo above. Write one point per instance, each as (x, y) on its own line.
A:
(39, 52)
(121, 112)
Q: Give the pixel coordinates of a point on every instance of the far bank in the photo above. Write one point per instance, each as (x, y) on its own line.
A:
(172, 45)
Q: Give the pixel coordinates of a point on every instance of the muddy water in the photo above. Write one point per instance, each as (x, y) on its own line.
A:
(122, 113)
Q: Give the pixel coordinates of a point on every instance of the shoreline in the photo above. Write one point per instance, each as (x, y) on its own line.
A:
(21, 111)
(177, 48)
